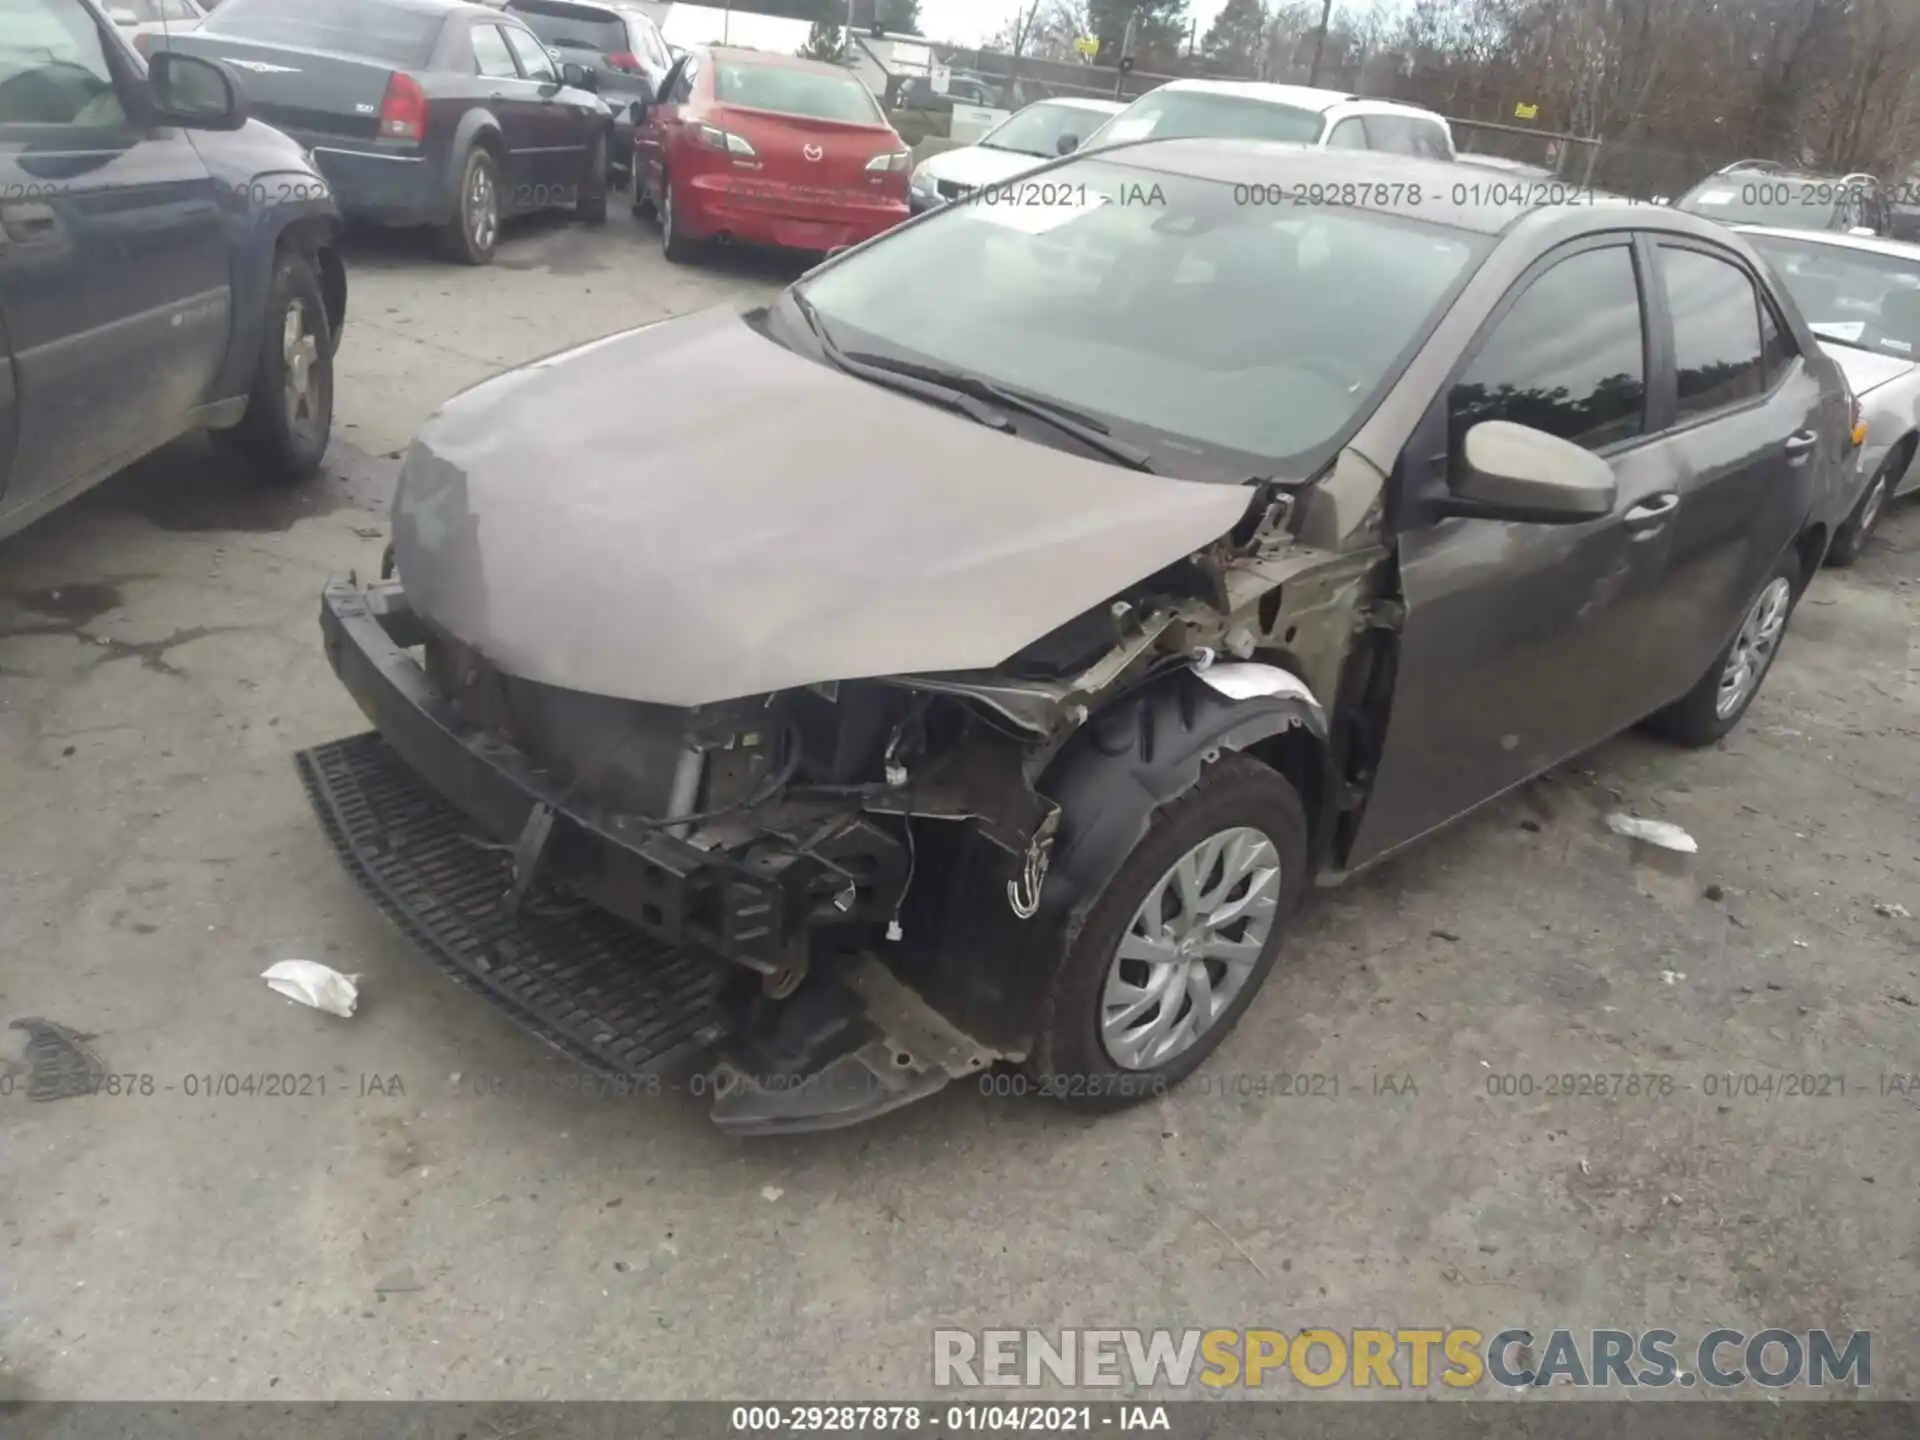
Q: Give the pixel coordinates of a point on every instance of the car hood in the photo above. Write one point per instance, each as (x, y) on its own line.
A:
(975, 165)
(1865, 369)
(689, 512)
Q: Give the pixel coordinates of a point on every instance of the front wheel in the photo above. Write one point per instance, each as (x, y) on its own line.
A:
(1709, 711)
(1852, 537)
(290, 411)
(1178, 943)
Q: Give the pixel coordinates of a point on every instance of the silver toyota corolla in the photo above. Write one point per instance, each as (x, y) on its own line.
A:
(1861, 296)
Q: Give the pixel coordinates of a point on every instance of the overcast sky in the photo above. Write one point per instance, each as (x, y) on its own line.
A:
(972, 22)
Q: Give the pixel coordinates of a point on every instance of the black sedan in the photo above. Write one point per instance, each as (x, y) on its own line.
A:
(421, 112)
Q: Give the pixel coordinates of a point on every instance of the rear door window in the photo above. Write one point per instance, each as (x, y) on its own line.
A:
(535, 63)
(1407, 135)
(490, 54)
(1568, 358)
(368, 29)
(1348, 135)
(1717, 347)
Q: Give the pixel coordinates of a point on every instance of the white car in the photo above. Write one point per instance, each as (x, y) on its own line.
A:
(1031, 137)
(140, 18)
(1251, 110)
(1861, 295)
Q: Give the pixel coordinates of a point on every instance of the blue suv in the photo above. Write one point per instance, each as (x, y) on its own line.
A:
(165, 264)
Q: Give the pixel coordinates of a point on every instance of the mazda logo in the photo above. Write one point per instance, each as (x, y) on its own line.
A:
(814, 152)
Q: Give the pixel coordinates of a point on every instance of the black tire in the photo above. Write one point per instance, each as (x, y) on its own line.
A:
(288, 423)
(673, 244)
(1851, 538)
(592, 203)
(1695, 719)
(1070, 1059)
(463, 238)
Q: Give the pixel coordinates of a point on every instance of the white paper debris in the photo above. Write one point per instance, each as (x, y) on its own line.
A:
(1891, 911)
(312, 983)
(1654, 832)
(1673, 977)
(771, 1193)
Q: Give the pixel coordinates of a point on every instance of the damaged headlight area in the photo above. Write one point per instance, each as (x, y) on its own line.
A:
(788, 858)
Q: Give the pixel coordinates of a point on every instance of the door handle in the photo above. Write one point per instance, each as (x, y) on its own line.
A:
(1800, 444)
(1651, 511)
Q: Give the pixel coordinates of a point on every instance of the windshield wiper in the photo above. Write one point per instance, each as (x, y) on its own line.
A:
(862, 368)
(1095, 434)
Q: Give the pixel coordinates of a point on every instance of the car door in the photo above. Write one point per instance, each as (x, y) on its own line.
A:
(114, 275)
(1746, 440)
(663, 123)
(560, 130)
(514, 101)
(1524, 644)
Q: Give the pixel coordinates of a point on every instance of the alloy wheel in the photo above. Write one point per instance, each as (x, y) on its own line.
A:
(300, 364)
(483, 210)
(1190, 948)
(1871, 506)
(1753, 647)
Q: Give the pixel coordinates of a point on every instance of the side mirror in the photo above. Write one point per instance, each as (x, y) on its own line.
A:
(578, 76)
(1514, 472)
(1066, 145)
(195, 93)
(637, 111)
(123, 17)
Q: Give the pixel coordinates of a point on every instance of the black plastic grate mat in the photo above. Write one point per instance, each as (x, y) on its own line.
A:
(585, 982)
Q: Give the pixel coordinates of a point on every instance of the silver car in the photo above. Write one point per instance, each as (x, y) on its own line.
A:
(1861, 296)
(1022, 142)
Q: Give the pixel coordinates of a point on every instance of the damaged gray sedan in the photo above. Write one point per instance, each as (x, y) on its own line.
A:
(975, 654)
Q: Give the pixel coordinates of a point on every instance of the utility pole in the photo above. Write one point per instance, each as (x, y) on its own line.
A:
(846, 50)
(1125, 67)
(1319, 42)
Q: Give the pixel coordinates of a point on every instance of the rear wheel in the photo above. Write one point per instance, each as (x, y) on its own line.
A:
(1177, 945)
(673, 243)
(1713, 707)
(290, 411)
(469, 237)
(592, 204)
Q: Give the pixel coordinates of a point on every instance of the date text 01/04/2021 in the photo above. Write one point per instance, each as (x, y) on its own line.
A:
(1006, 1419)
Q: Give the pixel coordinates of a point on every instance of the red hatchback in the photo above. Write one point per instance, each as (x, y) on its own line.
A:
(764, 149)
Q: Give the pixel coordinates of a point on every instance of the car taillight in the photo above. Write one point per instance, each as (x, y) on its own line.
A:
(403, 109)
(899, 162)
(626, 60)
(713, 137)
(1858, 431)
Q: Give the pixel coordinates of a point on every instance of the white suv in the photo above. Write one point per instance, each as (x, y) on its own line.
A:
(1250, 110)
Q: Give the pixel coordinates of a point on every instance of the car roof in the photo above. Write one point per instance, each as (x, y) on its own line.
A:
(1898, 249)
(1083, 102)
(1300, 97)
(1385, 184)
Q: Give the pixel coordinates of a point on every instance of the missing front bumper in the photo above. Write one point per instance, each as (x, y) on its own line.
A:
(419, 814)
